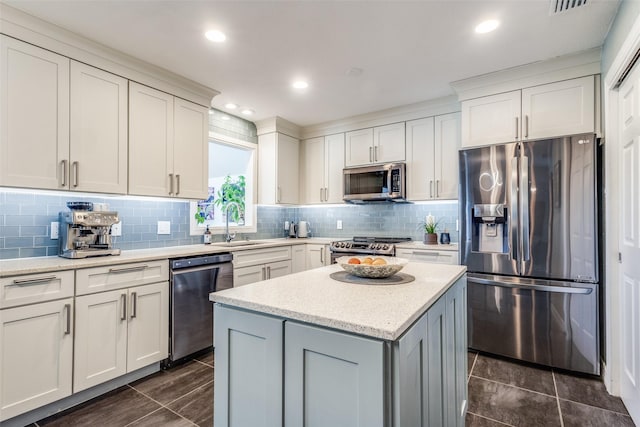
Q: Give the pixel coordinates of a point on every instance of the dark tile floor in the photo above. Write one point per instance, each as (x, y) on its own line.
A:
(505, 393)
(501, 393)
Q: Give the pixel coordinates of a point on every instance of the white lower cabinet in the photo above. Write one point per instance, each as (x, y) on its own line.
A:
(255, 265)
(298, 258)
(317, 255)
(119, 331)
(428, 255)
(36, 344)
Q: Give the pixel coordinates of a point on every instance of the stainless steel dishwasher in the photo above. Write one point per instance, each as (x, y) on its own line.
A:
(191, 312)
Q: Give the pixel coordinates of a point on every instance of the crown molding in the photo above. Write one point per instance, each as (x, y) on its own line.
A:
(564, 67)
(277, 124)
(403, 113)
(17, 24)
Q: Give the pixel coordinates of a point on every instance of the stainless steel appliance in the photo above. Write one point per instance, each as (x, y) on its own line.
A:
(83, 233)
(365, 246)
(191, 312)
(529, 241)
(375, 183)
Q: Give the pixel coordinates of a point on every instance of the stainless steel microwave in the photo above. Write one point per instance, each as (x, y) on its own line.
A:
(386, 182)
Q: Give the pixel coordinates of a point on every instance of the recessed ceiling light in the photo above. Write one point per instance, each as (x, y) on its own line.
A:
(247, 112)
(300, 84)
(225, 117)
(231, 106)
(215, 36)
(487, 26)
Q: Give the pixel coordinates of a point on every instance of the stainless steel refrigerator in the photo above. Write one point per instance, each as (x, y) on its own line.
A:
(529, 241)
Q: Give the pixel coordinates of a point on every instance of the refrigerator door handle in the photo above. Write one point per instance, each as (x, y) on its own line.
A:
(546, 285)
(513, 216)
(524, 208)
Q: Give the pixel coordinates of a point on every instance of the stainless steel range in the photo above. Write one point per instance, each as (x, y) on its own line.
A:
(365, 246)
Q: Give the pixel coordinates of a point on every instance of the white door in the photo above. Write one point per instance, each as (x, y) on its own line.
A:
(288, 155)
(298, 258)
(150, 141)
(100, 350)
(447, 136)
(388, 143)
(334, 164)
(278, 269)
(313, 173)
(98, 136)
(358, 148)
(420, 150)
(491, 119)
(316, 256)
(190, 150)
(251, 274)
(36, 344)
(34, 116)
(148, 329)
(629, 110)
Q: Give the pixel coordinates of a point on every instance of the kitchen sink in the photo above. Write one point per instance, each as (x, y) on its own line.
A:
(238, 243)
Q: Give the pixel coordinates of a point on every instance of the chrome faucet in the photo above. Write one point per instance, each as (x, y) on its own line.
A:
(228, 205)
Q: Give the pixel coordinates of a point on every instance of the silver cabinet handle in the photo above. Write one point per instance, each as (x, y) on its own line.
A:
(128, 269)
(177, 184)
(438, 188)
(322, 256)
(268, 272)
(123, 301)
(526, 126)
(171, 184)
(29, 282)
(321, 194)
(134, 304)
(279, 194)
(264, 273)
(63, 173)
(75, 167)
(516, 128)
(326, 194)
(370, 155)
(67, 311)
(431, 189)
(375, 153)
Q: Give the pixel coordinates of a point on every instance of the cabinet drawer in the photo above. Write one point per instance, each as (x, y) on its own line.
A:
(91, 280)
(261, 256)
(422, 255)
(31, 288)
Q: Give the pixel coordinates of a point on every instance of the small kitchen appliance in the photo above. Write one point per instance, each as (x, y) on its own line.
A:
(293, 230)
(304, 229)
(365, 246)
(84, 233)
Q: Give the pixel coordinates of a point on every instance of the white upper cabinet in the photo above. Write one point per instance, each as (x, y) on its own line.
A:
(168, 148)
(278, 158)
(432, 157)
(555, 109)
(98, 138)
(322, 161)
(382, 144)
(34, 116)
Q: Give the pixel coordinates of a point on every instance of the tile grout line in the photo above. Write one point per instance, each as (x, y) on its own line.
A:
(164, 406)
(473, 365)
(555, 386)
(596, 407)
(159, 409)
(490, 419)
(204, 363)
(514, 386)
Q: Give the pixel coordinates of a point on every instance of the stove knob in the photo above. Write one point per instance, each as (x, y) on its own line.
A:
(385, 247)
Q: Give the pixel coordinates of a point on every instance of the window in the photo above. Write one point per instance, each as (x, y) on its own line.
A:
(232, 172)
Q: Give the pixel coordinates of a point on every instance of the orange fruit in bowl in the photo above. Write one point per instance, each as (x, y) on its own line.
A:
(379, 261)
(353, 261)
(367, 261)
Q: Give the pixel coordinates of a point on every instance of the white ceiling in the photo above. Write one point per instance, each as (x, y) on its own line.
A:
(409, 51)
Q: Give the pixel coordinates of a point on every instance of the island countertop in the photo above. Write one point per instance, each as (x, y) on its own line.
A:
(379, 311)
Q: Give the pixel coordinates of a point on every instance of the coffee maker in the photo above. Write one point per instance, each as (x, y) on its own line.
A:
(84, 233)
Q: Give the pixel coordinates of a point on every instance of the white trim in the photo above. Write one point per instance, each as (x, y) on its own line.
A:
(624, 56)
(278, 124)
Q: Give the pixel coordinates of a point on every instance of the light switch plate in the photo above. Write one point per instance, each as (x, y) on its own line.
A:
(116, 229)
(164, 227)
(339, 224)
(54, 230)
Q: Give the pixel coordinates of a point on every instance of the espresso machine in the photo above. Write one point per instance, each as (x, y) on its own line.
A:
(85, 233)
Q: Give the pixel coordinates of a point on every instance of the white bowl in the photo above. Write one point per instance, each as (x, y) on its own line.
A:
(392, 266)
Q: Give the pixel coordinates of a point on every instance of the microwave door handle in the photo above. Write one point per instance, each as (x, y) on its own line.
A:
(513, 215)
(524, 208)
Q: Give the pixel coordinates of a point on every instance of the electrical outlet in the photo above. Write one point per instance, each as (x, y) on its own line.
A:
(116, 229)
(54, 230)
(164, 227)
(286, 225)
(339, 225)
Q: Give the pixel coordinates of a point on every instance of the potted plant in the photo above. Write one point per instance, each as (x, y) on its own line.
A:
(232, 190)
(430, 225)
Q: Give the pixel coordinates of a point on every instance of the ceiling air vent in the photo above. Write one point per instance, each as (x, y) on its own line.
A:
(559, 6)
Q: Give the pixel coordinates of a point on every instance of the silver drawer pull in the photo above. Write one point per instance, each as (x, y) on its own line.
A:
(128, 269)
(134, 304)
(28, 282)
(67, 310)
(123, 301)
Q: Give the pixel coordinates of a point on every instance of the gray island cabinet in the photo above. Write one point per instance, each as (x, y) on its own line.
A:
(306, 350)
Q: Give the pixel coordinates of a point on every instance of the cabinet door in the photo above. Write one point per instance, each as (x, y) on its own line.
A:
(358, 147)
(100, 352)
(332, 378)
(313, 170)
(334, 164)
(261, 256)
(420, 162)
(388, 143)
(245, 275)
(248, 374)
(437, 365)
(447, 144)
(148, 331)
(491, 119)
(288, 154)
(557, 109)
(36, 343)
(278, 269)
(429, 256)
(456, 351)
(316, 256)
(34, 116)
(150, 141)
(98, 138)
(190, 150)
(298, 258)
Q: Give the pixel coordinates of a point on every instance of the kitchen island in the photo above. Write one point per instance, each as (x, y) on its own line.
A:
(307, 350)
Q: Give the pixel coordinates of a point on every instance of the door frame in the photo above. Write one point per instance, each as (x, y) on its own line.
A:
(612, 197)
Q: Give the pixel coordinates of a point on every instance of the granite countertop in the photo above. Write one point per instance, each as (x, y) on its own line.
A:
(14, 267)
(379, 311)
(420, 245)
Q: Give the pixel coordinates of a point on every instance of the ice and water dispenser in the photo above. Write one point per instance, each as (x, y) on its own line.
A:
(490, 229)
